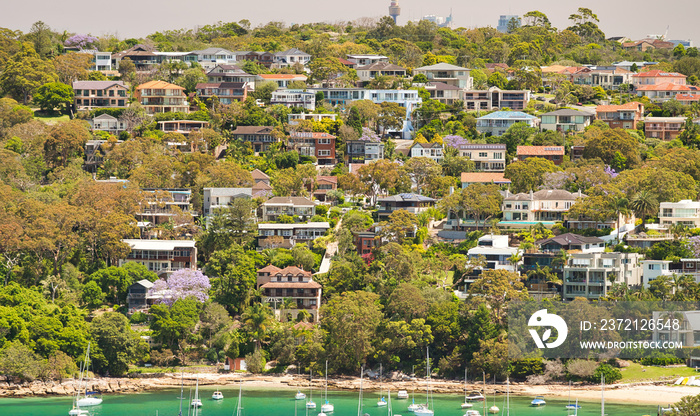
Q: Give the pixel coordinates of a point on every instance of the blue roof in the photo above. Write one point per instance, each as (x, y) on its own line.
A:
(507, 115)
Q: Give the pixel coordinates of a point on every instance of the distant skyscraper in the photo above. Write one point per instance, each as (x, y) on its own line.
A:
(503, 22)
(394, 9)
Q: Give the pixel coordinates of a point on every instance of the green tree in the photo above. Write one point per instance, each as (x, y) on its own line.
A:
(20, 362)
(92, 295)
(116, 344)
(65, 141)
(190, 78)
(53, 95)
(257, 320)
(479, 202)
(24, 73)
(233, 276)
(528, 175)
(643, 204)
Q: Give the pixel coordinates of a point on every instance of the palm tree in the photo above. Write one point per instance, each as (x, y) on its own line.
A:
(620, 205)
(643, 203)
(678, 230)
(514, 260)
(561, 259)
(257, 318)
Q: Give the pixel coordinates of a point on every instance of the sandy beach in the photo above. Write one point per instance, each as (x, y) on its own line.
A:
(655, 393)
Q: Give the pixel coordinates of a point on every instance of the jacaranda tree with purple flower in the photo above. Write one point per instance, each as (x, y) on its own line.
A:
(369, 135)
(454, 141)
(81, 41)
(182, 284)
(610, 171)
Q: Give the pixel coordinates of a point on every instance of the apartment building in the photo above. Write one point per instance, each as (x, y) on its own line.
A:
(447, 73)
(260, 137)
(495, 99)
(293, 283)
(592, 275)
(664, 128)
(486, 178)
(566, 120)
(684, 212)
(319, 145)
(291, 234)
(160, 204)
(554, 154)
(294, 118)
(625, 116)
(369, 72)
(498, 122)
(486, 157)
(215, 198)
(497, 252)
(657, 77)
(444, 93)
(89, 95)
(664, 92)
(293, 206)
(294, 98)
(229, 73)
(225, 92)
(290, 57)
(282, 80)
(361, 151)
(101, 61)
(549, 250)
(162, 97)
(162, 256)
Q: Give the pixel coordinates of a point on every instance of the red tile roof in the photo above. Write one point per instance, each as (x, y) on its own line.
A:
(540, 150)
(633, 105)
(483, 177)
(283, 76)
(658, 73)
(291, 285)
(294, 270)
(687, 97)
(331, 179)
(159, 85)
(269, 269)
(664, 87)
(346, 62)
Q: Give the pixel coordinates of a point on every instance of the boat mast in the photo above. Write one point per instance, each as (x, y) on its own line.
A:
(602, 395)
(483, 373)
(359, 404)
(182, 375)
(326, 381)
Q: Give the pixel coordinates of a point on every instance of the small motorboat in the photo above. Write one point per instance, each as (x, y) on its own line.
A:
(310, 404)
(76, 411)
(472, 413)
(402, 394)
(300, 395)
(474, 396)
(572, 406)
(538, 401)
(467, 405)
(494, 409)
(196, 403)
(217, 395)
(381, 402)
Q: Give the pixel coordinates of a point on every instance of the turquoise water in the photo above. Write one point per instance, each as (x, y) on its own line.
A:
(267, 402)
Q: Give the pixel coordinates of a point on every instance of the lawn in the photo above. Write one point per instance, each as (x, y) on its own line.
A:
(638, 372)
(50, 118)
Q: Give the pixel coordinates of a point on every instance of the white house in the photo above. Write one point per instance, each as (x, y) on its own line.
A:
(162, 256)
(592, 275)
(294, 98)
(291, 233)
(652, 269)
(430, 150)
(685, 212)
(496, 250)
(447, 73)
(546, 206)
(221, 197)
(290, 57)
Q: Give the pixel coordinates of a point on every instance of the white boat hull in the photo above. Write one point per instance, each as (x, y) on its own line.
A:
(327, 408)
(310, 405)
(381, 403)
(466, 405)
(423, 411)
(402, 394)
(413, 407)
(217, 396)
(89, 401)
(78, 412)
(494, 409)
(300, 396)
(196, 403)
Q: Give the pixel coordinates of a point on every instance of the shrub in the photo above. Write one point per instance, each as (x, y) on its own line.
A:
(255, 362)
(521, 369)
(612, 374)
(581, 369)
(659, 358)
(138, 318)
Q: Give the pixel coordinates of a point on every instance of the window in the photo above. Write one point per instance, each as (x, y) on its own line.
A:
(324, 141)
(483, 154)
(498, 155)
(324, 152)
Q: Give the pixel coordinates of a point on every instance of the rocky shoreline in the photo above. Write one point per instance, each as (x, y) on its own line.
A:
(172, 380)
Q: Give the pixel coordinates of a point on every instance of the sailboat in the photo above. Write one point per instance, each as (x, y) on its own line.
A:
(76, 410)
(90, 398)
(327, 407)
(572, 406)
(196, 402)
(300, 394)
(424, 410)
(466, 404)
(240, 399)
(381, 402)
(413, 406)
(359, 400)
(310, 404)
(493, 409)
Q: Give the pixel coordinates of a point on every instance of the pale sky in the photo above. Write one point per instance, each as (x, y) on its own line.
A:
(138, 18)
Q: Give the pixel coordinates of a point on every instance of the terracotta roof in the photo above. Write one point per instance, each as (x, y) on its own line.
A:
(252, 129)
(658, 73)
(632, 105)
(483, 177)
(664, 87)
(687, 97)
(261, 186)
(493, 65)
(258, 174)
(269, 269)
(303, 326)
(159, 85)
(291, 285)
(283, 76)
(345, 62)
(331, 179)
(540, 150)
(294, 270)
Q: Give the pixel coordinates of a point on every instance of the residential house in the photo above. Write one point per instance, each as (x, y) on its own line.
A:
(260, 177)
(412, 203)
(137, 296)
(577, 152)
(260, 137)
(107, 123)
(566, 120)
(554, 154)
(161, 204)
(548, 252)
(498, 122)
(229, 73)
(369, 72)
(686, 331)
(265, 59)
(101, 61)
(646, 239)
(294, 118)
(211, 57)
(94, 154)
(644, 45)
(486, 157)
(664, 92)
(592, 275)
(294, 98)
(628, 65)
(291, 234)
(225, 92)
(447, 73)
(364, 60)
(658, 77)
(323, 185)
(144, 57)
(290, 57)
(653, 269)
(664, 128)
(362, 151)
(89, 95)
(444, 93)
(546, 206)
(317, 144)
(497, 252)
(430, 150)
(365, 242)
(184, 127)
(688, 98)
(282, 80)
(161, 97)
(293, 206)
(162, 256)
(215, 198)
(623, 116)
(609, 78)
(495, 99)
(684, 212)
(486, 178)
(293, 283)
